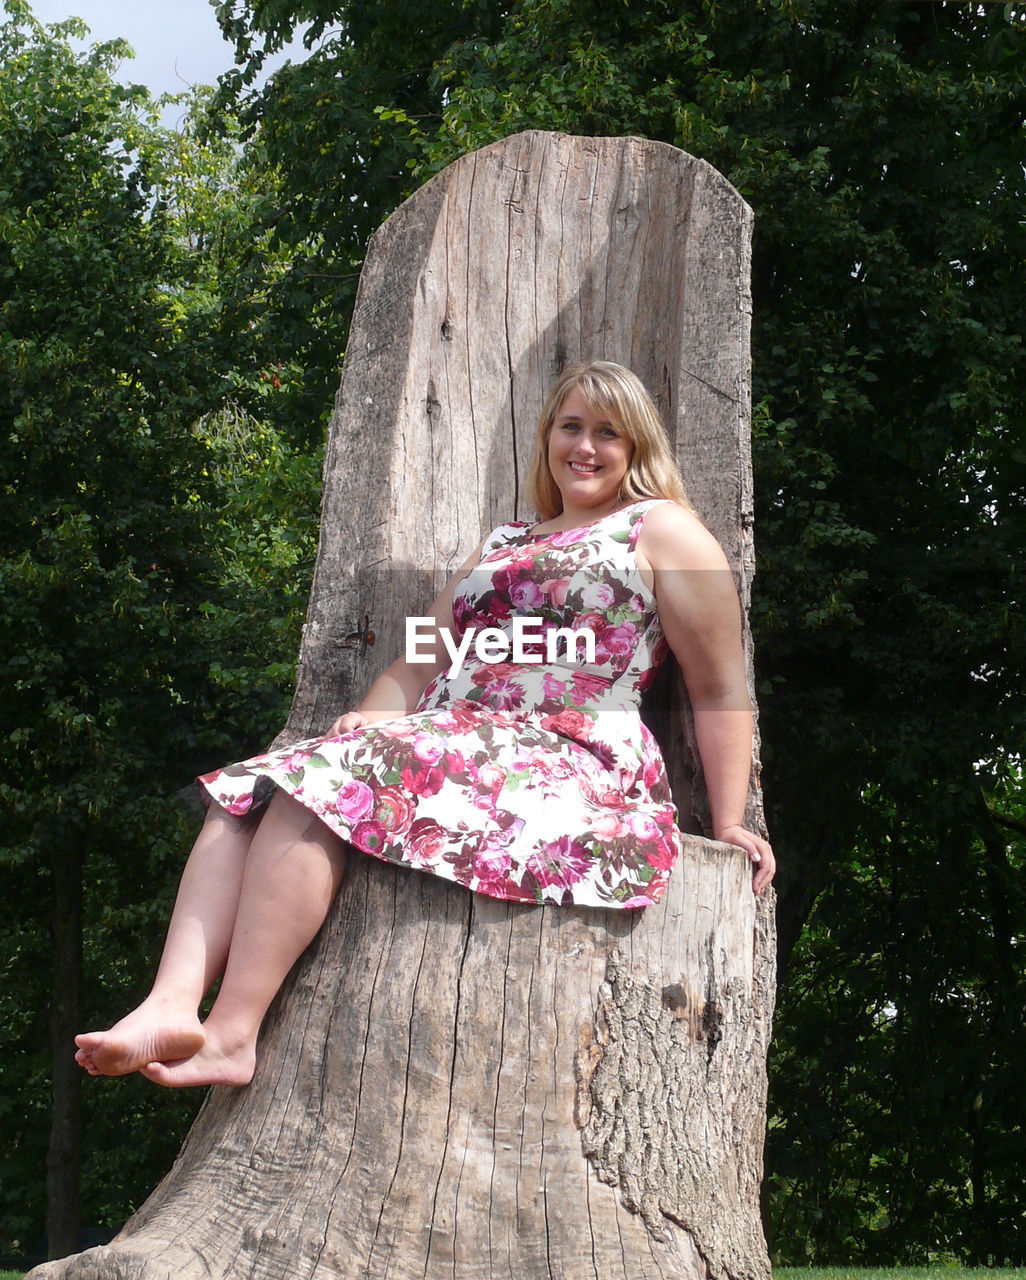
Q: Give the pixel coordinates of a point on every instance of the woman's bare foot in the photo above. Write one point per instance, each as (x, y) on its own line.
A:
(155, 1031)
(231, 1063)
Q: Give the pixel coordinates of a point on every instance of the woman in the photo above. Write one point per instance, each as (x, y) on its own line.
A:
(530, 780)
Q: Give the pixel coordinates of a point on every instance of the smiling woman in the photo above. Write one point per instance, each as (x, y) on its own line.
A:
(458, 769)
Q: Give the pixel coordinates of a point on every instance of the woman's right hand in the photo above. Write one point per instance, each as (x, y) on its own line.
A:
(347, 723)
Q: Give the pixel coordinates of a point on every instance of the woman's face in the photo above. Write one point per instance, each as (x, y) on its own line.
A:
(589, 454)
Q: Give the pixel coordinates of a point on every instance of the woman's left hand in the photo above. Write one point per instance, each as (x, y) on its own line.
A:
(759, 851)
(347, 723)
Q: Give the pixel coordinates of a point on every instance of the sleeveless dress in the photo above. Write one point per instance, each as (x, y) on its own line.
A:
(533, 780)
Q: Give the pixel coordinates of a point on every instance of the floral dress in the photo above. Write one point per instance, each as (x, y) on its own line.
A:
(533, 781)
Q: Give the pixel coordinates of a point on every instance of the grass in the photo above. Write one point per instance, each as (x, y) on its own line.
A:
(939, 1271)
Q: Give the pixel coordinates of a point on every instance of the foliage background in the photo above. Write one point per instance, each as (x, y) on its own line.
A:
(881, 145)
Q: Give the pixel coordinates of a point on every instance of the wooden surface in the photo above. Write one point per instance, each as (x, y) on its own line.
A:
(451, 1086)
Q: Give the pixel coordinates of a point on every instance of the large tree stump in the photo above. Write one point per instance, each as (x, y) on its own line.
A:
(449, 1085)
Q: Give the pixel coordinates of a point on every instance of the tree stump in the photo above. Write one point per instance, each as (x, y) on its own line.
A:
(450, 1085)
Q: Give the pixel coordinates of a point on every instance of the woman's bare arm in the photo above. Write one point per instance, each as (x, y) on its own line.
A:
(701, 618)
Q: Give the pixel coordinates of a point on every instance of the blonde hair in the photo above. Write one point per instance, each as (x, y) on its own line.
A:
(613, 389)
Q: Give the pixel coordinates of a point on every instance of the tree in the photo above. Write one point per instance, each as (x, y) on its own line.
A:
(125, 610)
(923, 1141)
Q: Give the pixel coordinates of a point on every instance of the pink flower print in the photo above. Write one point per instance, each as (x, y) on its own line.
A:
(323, 806)
(492, 777)
(607, 798)
(552, 767)
(520, 758)
(490, 753)
(588, 686)
(491, 860)
(526, 596)
(608, 827)
(428, 748)
(643, 900)
(296, 762)
(564, 537)
(643, 826)
(236, 805)
(487, 673)
(393, 810)
(615, 642)
(570, 723)
(661, 854)
(553, 688)
(369, 836)
(505, 695)
(455, 764)
(653, 772)
(465, 715)
(353, 800)
(556, 589)
(597, 595)
(590, 622)
(606, 757)
(503, 580)
(534, 645)
(403, 730)
(561, 862)
(550, 783)
(425, 782)
(508, 823)
(425, 842)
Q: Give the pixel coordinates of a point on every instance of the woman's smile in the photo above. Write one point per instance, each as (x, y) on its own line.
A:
(589, 454)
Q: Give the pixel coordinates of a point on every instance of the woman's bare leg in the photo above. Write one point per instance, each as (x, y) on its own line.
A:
(292, 873)
(166, 1024)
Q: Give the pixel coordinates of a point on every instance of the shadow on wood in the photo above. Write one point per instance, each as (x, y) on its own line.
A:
(450, 1085)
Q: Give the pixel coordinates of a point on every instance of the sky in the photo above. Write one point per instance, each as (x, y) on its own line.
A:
(177, 43)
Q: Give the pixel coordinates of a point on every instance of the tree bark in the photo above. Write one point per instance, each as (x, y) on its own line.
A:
(450, 1085)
